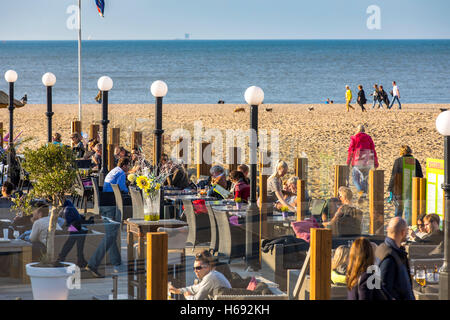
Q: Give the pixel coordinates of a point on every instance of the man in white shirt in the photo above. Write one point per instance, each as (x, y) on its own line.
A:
(39, 230)
(210, 279)
(396, 96)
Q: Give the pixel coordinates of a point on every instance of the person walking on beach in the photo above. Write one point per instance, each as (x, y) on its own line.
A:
(361, 98)
(348, 98)
(362, 157)
(396, 96)
(376, 97)
(384, 97)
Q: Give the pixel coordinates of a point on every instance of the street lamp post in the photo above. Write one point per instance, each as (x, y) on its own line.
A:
(159, 90)
(49, 81)
(443, 126)
(254, 96)
(104, 84)
(11, 77)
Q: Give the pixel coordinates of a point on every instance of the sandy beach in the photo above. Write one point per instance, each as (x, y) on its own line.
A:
(322, 134)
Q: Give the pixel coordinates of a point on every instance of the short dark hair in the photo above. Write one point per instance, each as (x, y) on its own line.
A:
(9, 187)
(123, 162)
(243, 168)
(236, 175)
(206, 258)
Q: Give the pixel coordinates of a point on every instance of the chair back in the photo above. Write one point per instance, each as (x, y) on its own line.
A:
(316, 207)
(137, 203)
(177, 237)
(190, 219)
(214, 244)
(202, 225)
(224, 232)
(96, 196)
(119, 200)
(6, 213)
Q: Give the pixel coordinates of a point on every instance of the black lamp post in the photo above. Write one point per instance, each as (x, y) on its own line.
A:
(11, 77)
(159, 90)
(254, 97)
(49, 81)
(443, 126)
(104, 84)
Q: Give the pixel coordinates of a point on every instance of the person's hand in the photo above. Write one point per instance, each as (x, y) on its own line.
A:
(172, 289)
(389, 200)
(187, 294)
(411, 233)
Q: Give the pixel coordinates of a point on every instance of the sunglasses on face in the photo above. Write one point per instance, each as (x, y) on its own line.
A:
(198, 268)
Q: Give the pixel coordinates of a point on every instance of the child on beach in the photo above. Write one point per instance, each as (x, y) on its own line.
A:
(348, 98)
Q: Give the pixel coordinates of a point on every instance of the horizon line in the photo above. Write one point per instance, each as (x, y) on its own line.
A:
(268, 39)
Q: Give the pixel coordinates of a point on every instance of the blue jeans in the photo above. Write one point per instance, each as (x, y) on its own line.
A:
(108, 243)
(398, 101)
(380, 103)
(360, 176)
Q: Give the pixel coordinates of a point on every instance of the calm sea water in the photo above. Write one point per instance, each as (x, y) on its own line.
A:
(289, 71)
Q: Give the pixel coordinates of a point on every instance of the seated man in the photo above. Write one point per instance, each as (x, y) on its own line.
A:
(434, 234)
(78, 146)
(178, 177)
(347, 220)
(118, 175)
(210, 279)
(5, 200)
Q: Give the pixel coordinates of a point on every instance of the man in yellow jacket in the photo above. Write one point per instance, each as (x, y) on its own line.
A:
(348, 98)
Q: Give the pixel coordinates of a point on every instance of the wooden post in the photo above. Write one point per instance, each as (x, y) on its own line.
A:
(157, 250)
(302, 205)
(264, 162)
(341, 174)
(320, 265)
(114, 136)
(235, 158)
(93, 131)
(376, 201)
(423, 196)
(154, 147)
(136, 139)
(202, 152)
(1, 134)
(301, 168)
(111, 148)
(418, 198)
(263, 208)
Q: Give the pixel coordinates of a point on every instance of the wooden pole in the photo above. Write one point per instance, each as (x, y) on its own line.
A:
(136, 139)
(376, 201)
(341, 174)
(264, 162)
(423, 196)
(157, 250)
(235, 158)
(1, 134)
(320, 267)
(114, 136)
(93, 131)
(203, 151)
(76, 127)
(111, 164)
(302, 205)
(415, 200)
(301, 168)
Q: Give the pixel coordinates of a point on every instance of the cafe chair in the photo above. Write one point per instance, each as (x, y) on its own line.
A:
(103, 201)
(214, 243)
(231, 238)
(126, 211)
(199, 226)
(137, 203)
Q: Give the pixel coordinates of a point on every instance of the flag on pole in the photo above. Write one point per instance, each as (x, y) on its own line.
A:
(100, 7)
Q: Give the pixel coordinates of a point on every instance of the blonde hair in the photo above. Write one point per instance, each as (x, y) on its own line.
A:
(345, 192)
(405, 150)
(280, 164)
(340, 257)
(292, 180)
(360, 128)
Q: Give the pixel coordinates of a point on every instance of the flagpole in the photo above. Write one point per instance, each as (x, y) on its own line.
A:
(79, 60)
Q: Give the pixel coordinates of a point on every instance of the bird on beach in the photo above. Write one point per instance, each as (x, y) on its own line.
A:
(310, 108)
(24, 99)
(269, 109)
(239, 109)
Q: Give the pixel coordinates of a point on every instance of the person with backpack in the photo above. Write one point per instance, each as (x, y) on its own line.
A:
(394, 266)
(361, 98)
(358, 279)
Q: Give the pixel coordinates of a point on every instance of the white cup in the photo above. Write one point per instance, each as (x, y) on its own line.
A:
(5, 234)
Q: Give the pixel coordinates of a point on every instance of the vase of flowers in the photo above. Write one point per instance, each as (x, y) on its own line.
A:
(150, 183)
(285, 212)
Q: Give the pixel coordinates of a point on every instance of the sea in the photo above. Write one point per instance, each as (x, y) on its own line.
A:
(206, 71)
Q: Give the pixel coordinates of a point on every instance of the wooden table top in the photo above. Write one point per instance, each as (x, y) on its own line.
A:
(13, 245)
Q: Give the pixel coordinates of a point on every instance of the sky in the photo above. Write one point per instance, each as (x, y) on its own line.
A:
(227, 19)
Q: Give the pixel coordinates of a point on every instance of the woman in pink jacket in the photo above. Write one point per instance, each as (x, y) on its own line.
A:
(362, 157)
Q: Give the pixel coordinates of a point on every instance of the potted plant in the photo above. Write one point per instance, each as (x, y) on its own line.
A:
(52, 169)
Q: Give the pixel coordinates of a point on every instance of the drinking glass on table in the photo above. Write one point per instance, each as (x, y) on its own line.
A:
(16, 234)
(421, 277)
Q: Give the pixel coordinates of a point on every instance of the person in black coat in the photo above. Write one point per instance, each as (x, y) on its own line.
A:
(361, 98)
(405, 151)
(383, 96)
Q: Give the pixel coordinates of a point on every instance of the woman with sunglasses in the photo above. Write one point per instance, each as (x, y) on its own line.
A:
(210, 279)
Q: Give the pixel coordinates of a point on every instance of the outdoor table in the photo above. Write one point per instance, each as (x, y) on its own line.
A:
(231, 208)
(139, 228)
(21, 256)
(178, 200)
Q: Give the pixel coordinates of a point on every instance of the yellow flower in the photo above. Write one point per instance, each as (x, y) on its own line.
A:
(142, 182)
(284, 209)
(158, 186)
(131, 177)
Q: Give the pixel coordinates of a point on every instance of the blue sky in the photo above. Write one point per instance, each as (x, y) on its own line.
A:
(226, 19)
